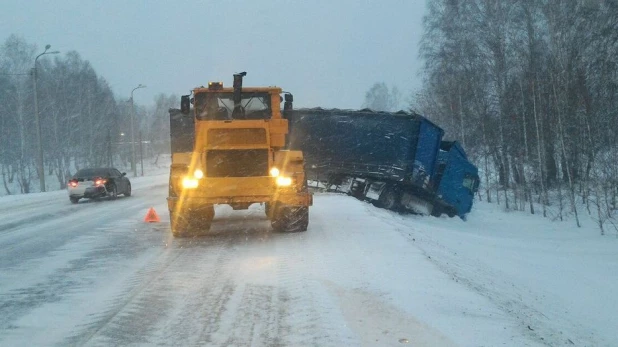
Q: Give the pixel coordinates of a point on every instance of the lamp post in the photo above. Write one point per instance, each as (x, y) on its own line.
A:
(40, 167)
(123, 151)
(133, 166)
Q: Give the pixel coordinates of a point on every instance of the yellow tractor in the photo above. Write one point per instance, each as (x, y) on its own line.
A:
(229, 148)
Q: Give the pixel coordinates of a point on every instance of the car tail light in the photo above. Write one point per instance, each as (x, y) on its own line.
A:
(98, 182)
(72, 183)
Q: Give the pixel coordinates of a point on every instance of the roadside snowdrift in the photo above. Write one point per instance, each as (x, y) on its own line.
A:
(559, 281)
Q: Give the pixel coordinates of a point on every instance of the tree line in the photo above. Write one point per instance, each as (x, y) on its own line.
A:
(82, 122)
(530, 88)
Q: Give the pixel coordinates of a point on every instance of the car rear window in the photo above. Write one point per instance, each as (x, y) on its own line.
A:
(91, 172)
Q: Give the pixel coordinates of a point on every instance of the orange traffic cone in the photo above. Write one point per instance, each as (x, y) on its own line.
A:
(152, 216)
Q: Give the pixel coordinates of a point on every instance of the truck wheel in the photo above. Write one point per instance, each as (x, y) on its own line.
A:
(74, 200)
(389, 199)
(437, 210)
(357, 190)
(290, 219)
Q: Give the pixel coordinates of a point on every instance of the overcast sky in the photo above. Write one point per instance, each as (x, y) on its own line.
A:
(327, 53)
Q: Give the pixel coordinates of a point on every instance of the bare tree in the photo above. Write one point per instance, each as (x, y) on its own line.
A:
(77, 110)
(532, 89)
(17, 58)
(380, 98)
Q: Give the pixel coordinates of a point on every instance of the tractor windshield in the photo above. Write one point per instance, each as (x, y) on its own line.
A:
(220, 106)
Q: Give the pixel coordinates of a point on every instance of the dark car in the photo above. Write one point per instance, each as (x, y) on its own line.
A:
(97, 183)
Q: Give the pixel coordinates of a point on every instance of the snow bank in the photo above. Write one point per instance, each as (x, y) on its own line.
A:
(557, 279)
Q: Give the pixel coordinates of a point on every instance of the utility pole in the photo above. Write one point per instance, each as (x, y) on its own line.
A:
(133, 165)
(141, 153)
(110, 160)
(40, 167)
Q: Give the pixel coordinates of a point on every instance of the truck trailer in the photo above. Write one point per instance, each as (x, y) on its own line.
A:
(395, 160)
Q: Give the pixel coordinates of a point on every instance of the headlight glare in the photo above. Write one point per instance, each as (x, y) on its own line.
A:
(274, 172)
(198, 174)
(284, 181)
(189, 183)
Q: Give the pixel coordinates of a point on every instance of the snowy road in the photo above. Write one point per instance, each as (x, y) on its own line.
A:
(95, 274)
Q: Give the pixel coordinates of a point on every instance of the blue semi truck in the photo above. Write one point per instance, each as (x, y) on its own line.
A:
(397, 160)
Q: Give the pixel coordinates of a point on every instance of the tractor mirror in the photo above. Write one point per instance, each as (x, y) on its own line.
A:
(287, 106)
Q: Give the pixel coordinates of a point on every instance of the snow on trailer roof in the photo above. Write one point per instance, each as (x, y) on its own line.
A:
(368, 112)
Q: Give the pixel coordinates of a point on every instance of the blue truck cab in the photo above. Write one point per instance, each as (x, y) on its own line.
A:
(457, 179)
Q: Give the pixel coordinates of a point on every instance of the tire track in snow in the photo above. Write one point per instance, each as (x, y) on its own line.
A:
(54, 265)
(255, 318)
(200, 292)
(309, 314)
(13, 207)
(141, 282)
(65, 280)
(250, 315)
(349, 277)
(189, 301)
(498, 289)
(23, 216)
(37, 242)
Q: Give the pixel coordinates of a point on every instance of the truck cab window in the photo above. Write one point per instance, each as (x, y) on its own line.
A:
(220, 106)
(469, 182)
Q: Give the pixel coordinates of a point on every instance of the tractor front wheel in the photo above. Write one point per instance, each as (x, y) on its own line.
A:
(290, 218)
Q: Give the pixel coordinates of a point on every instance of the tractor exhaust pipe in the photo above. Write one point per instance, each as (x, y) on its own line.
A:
(238, 110)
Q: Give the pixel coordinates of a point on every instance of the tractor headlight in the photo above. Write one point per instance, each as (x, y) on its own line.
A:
(284, 181)
(189, 183)
(198, 174)
(274, 172)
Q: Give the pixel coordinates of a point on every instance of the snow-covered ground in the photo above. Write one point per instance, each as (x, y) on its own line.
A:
(559, 280)
(95, 274)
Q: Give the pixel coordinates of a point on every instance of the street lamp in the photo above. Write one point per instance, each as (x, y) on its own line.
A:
(133, 166)
(40, 167)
